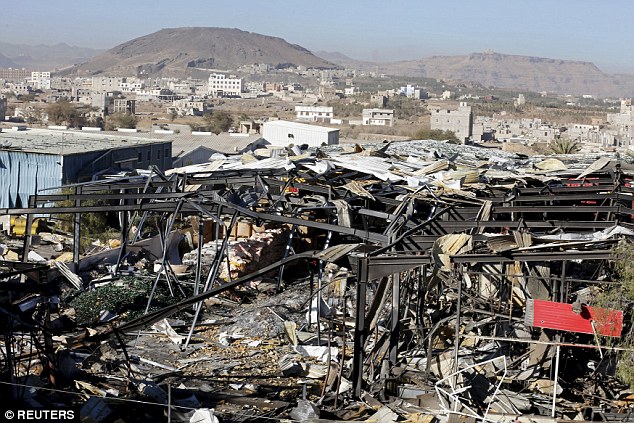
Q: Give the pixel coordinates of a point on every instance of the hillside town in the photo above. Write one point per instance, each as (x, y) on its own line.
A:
(279, 242)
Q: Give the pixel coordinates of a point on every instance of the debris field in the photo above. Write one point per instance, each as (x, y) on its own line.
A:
(416, 281)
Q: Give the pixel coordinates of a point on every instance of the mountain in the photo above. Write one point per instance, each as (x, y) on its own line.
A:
(5, 62)
(341, 59)
(178, 51)
(517, 72)
(46, 57)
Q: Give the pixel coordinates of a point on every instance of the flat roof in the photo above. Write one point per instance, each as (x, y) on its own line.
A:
(296, 125)
(63, 143)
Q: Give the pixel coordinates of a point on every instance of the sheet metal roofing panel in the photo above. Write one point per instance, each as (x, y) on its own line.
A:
(23, 174)
(560, 316)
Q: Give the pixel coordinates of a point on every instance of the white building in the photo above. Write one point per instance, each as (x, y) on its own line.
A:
(378, 117)
(283, 133)
(314, 114)
(415, 92)
(40, 80)
(131, 86)
(221, 86)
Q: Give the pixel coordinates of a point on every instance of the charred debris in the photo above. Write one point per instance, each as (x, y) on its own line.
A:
(415, 281)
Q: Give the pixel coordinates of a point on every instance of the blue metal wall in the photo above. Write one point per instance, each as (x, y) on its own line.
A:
(23, 174)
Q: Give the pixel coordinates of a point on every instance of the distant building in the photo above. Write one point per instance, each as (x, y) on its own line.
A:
(415, 92)
(14, 75)
(283, 133)
(123, 105)
(37, 159)
(520, 100)
(106, 83)
(40, 80)
(349, 91)
(379, 99)
(221, 86)
(378, 117)
(191, 150)
(314, 114)
(186, 107)
(623, 124)
(460, 121)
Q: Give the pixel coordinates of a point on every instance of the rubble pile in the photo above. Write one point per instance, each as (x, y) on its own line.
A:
(396, 282)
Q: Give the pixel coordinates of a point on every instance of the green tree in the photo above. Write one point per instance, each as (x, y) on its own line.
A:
(565, 146)
(218, 121)
(121, 120)
(93, 225)
(436, 134)
(64, 112)
(619, 296)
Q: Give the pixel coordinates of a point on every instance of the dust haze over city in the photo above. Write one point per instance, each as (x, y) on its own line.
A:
(337, 211)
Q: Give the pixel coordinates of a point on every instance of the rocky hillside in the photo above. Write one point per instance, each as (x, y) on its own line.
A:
(175, 51)
(518, 72)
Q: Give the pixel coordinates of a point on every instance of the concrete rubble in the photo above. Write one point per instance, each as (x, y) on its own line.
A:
(416, 281)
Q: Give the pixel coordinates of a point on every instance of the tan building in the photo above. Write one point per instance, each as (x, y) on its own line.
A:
(460, 121)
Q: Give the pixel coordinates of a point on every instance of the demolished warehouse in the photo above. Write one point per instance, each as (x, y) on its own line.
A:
(417, 263)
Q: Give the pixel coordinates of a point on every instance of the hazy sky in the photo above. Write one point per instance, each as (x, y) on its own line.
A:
(597, 31)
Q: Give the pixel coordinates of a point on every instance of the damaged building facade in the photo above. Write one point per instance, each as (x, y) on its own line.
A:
(416, 281)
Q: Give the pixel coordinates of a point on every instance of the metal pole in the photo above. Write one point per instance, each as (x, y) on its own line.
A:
(199, 254)
(555, 381)
(359, 327)
(27, 231)
(396, 302)
(76, 231)
(457, 327)
(169, 403)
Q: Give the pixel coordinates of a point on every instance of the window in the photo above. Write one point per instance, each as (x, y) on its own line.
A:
(140, 157)
(149, 156)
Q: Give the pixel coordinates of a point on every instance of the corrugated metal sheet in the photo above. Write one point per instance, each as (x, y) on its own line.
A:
(23, 174)
(560, 316)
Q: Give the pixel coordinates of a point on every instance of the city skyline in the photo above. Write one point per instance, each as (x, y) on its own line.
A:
(583, 30)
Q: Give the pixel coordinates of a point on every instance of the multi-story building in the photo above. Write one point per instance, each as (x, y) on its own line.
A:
(623, 123)
(106, 83)
(40, 80)
(123, 105)
(131, 86)
(221, 86)
(460, 121)
(378, 117)
(415, 92)
(14, 75)
(314, 114)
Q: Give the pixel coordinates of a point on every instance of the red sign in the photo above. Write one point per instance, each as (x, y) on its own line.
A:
(560, 316)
